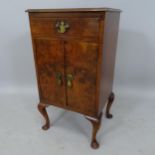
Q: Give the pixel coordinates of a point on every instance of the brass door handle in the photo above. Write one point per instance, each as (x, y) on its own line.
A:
(59, 79)
(62, 26)
(70, 79)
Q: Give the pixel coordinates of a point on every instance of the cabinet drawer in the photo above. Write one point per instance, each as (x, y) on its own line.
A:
(86, 27)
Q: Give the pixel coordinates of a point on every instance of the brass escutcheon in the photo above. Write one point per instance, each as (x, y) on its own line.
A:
(59, 79)
(70, 79)
(62, 26)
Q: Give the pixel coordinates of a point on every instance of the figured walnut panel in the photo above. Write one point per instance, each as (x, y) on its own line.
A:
(50, 61)
(81, 61)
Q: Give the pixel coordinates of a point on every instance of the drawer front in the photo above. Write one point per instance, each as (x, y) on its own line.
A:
(86, 27)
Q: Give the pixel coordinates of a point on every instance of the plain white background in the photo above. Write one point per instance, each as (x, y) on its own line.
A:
(134, 82)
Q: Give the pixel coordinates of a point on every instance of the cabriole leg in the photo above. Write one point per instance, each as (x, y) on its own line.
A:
(42, 109)
(96, 123)
(109, 104)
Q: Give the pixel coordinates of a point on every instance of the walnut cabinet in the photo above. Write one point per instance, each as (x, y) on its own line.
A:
(74, 51)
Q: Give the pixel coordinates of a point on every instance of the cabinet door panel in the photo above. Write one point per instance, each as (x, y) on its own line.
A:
(50, 66)
(81, 63)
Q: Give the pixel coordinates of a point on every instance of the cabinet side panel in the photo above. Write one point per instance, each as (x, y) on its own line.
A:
(108, 57)
(34, 56)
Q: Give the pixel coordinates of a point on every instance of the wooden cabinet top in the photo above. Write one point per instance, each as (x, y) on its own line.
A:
(75, 10)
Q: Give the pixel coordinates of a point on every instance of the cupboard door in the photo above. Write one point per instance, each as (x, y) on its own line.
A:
(50, 68)
(81, 66)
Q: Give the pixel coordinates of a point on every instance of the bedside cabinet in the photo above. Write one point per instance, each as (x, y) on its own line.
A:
(74, 51)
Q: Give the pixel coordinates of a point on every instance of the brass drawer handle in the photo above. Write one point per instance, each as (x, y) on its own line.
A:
(59, 79)
(70, 79)
(62, 26)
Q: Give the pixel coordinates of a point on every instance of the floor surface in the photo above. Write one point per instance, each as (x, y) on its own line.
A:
(130, 132)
